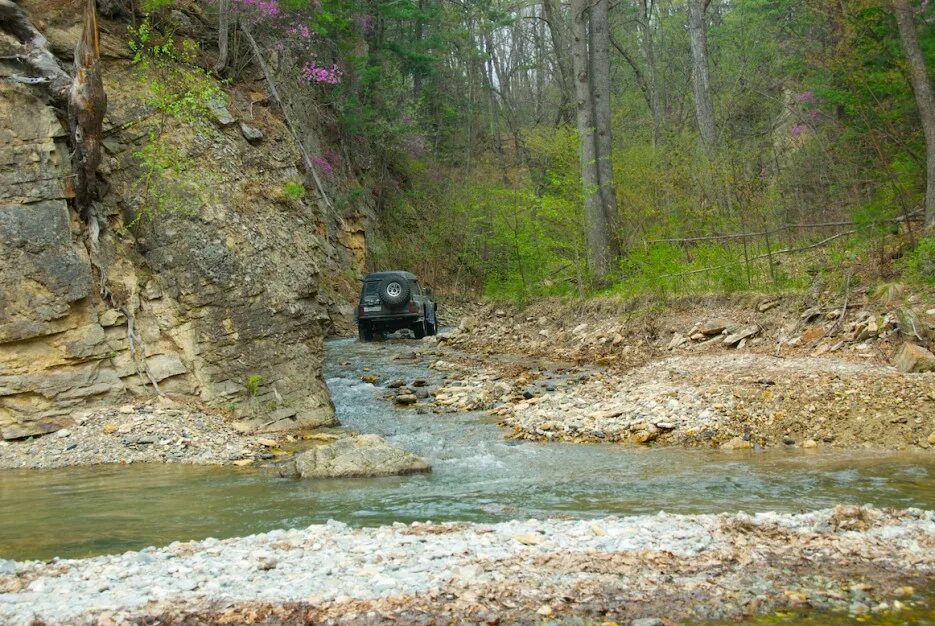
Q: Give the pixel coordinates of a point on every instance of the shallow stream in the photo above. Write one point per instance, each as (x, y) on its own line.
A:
(478, 476)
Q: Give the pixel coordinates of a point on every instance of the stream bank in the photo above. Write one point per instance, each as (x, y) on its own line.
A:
(719, 372)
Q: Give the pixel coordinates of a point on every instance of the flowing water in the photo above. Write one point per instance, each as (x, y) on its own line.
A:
(477, 476)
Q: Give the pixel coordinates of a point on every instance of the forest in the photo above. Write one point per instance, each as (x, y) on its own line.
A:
(710, 120)
(532, 148)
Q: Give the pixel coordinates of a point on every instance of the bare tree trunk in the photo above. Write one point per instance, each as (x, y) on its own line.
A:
(553, 17)
(417, 40)
(600, 93)
(704, 108)
(598, 244)
(922, 87)
(494, 113)
(649, 56)
(224, 9)
(87, 104)
(539, 45)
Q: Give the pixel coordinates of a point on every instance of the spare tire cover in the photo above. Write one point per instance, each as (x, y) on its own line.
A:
(394, 289)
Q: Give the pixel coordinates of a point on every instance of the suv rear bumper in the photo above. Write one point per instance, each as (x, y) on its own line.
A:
(380, 317)
(405, 315)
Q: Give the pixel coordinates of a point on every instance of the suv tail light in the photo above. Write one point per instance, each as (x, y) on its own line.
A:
(412, 307)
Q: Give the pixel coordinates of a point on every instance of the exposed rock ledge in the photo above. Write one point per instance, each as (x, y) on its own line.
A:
(669, 567)
(229, 295)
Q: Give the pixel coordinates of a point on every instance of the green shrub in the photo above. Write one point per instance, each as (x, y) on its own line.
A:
(293, 190)
(253, 384)
(919, 265)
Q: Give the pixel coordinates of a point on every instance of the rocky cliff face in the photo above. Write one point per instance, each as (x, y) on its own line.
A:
(225, 304)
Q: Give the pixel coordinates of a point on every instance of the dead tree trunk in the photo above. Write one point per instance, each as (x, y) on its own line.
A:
(596, 236)
(922, 88)
(704, 108)
(87, 104)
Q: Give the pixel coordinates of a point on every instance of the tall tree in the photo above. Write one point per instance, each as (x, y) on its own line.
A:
(598, 241)
(224, 9)
(600, 93)
(649, 56)
(704, 108)
(553, 17)
(922, 88)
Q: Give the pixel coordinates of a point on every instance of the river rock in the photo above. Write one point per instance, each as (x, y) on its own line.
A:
(766, 305)
(714, 326)
(914, 359)
(405, 399)
(359, 456)
(737, 443)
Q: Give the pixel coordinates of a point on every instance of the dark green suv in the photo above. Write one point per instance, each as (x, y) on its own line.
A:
(391, 301)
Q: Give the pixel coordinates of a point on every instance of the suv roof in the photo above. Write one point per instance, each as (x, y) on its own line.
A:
(379, 275)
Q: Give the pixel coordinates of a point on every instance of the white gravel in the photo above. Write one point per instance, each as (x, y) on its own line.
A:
(333, 563)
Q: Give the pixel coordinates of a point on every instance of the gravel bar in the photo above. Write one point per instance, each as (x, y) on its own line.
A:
(659, 567)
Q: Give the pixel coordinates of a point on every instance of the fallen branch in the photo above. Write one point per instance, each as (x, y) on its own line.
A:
(761, 256)
(310, 165)
(847, 293)
(778, 229)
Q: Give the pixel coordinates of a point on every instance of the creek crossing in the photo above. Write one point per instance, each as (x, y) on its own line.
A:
(477, 476)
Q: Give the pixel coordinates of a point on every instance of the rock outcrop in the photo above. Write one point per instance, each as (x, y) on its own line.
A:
(225, 304)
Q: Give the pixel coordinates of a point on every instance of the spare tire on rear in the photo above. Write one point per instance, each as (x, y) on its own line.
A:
(394, 290)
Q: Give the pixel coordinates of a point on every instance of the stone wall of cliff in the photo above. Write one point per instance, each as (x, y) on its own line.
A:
(226, 305)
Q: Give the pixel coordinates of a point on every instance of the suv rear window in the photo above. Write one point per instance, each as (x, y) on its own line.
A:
(371, 288)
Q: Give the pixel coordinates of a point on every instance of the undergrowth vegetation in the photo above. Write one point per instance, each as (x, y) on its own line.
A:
(182, 94)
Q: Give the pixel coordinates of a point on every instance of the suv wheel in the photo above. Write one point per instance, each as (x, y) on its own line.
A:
(364, 332)
(394, 290)
(418, 329)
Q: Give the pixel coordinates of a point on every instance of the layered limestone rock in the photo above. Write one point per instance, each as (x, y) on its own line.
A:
(225, 302)
(52, 348)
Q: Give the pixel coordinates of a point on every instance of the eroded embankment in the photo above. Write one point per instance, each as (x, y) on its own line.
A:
(663, 566)
(601, 375)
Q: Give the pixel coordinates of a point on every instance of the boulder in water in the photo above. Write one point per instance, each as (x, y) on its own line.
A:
(358, 456)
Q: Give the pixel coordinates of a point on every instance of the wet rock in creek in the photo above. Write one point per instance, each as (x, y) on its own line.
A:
(359, 456)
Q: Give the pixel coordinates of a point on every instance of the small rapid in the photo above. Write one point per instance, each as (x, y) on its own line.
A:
(477, 476)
